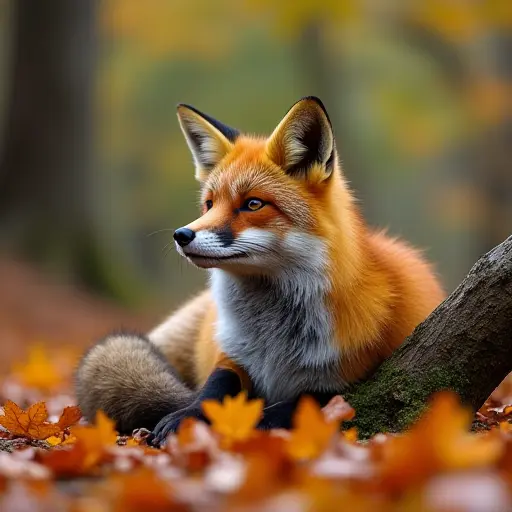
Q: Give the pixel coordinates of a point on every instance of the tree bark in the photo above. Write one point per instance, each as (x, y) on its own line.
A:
(46, 188)
(465, 345)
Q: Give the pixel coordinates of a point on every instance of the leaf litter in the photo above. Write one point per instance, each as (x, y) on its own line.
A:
(51, 460)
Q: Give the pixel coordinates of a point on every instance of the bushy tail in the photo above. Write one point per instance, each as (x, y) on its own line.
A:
(129, 379)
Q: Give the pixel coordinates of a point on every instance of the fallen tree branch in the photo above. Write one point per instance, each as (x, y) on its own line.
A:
(465, 345)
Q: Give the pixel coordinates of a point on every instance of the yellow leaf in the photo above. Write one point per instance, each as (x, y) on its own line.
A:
(39, 371)
(54, 440)
(312, 433)
(350, 435)
(95, 439)
(61, 440)
(234, 419)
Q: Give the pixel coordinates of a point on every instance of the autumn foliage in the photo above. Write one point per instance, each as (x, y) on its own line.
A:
(229, 465)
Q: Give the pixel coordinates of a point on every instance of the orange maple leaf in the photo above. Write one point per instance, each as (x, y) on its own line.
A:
(144, 490)
(39, 371)
(193, 446)
(312, 432)
(95, 439)
(268, 467)
(90, 448)
(66, 462)
(31, 423)
(440, 441)
(234, 419)
(69, 417)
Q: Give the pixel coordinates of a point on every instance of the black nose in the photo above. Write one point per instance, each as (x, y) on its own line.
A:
(184, 236)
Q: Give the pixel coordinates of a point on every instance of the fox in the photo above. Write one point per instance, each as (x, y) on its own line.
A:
(304, 298)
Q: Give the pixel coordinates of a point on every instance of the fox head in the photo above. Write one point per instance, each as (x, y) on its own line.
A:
(267, 204)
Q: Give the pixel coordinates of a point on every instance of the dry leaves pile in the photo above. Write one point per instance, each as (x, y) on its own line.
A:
(51, 461)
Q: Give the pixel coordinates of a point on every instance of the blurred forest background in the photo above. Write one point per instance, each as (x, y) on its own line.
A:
(92, 160)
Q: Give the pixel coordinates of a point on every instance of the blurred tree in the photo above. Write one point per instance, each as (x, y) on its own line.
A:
(46, 189)
(492, 163)
(479, 31)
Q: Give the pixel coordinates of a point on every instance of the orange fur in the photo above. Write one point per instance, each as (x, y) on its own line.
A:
(380, 288)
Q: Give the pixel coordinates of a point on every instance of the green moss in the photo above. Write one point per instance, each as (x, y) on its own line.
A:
(393, 399)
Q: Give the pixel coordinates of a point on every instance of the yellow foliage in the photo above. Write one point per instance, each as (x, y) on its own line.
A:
(291, 16)
(39, 371)
(462, 20)
(169, 27)
(95, 439)
(312, 433)
(235, 418)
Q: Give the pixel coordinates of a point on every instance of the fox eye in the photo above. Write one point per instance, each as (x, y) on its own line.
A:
(208, 204)
(252, 204)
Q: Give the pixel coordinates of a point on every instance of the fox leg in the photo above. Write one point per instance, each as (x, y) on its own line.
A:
(226, 379)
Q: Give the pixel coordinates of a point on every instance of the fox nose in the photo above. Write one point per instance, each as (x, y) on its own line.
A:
(184, 236)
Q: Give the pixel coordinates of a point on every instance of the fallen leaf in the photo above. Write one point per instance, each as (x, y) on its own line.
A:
(66, 462)
(70, 416)
(312, 432)
(31, 423)
(268, 467)
(63, 439)
(439, 441)
(350, 435)
(90, 448)
(54, 440)
(185, 434)
(338, 409)
(39, 371)
(95, 439)
(235, 418)
(143, 490)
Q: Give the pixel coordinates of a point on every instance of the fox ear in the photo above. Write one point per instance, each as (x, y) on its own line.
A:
(208, 139)
(303, 142)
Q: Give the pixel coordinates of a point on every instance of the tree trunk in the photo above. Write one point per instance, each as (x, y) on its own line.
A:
(465, 345)
(46, 194)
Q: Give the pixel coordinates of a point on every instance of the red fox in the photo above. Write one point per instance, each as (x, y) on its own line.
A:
(304, 298)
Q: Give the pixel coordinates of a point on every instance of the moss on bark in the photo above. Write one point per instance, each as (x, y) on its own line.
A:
(464, 345)
(393, 398)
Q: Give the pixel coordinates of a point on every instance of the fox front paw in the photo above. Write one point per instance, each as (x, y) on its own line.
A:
(171, 422)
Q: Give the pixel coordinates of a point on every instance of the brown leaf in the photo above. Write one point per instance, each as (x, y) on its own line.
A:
(31, 423)
(70, 416)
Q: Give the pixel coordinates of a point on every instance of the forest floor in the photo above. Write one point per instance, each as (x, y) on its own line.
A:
(50, 460)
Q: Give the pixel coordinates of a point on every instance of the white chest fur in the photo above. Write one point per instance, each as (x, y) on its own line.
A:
(280, 330)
